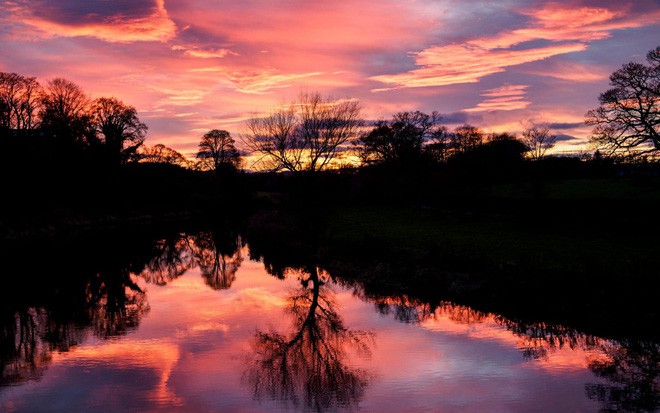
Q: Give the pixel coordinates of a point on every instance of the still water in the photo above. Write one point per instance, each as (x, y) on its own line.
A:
(201, 324)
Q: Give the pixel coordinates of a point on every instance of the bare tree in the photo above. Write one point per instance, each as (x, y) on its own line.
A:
(538, 140)
(628, 118)
(218, 152)
(65, 112)
(118, 128)
(19, 101)
(305, 135)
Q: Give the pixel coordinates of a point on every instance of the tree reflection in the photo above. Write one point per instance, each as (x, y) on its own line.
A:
(171, 257)
(632, 371)
(115, 304)
(307, 367)
(219, 256)
(102, 294)
(106, 304)
(28, 338)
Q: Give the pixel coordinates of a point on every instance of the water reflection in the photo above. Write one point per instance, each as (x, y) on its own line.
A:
(632, 373)
(54, 304)
(630, 368)
(218, 254)
(307, 367)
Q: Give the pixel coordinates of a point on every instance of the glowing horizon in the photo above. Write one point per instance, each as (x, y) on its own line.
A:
(190, 66)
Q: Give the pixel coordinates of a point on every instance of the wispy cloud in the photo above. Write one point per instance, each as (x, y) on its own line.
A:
(259, 82)
(570, 71)
(472, 60)
(466, 63)
(203, 53)
(508, 97)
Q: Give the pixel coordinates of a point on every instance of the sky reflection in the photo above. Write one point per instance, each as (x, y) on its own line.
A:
(205, 349)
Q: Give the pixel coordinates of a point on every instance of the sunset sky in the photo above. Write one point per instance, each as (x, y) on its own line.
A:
(189, 66)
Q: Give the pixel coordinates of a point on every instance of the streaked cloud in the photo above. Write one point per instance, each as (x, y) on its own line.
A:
(454, 64)
(258, 82)
(508, 97)
(474, 59)
(194, 51)
(570, 71)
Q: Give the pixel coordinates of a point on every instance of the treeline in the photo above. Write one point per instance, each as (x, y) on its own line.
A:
(62, 118)
(67, 151)
(71, 160)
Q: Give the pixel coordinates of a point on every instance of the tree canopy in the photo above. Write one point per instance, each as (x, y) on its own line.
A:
(217, 151)
(118, 128)
(628, 118)
(400, 140)
(65, 113)
(19, 101)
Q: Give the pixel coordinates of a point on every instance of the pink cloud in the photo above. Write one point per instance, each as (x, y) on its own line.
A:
(508, 97)
(453, 64)
(571, 71)
(470, 61)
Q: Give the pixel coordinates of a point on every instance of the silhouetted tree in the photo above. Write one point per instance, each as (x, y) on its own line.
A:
(19, 101)
(218, 152)
(629, 114)
(502, 136)
(305, 135)
(160, 153)
(118, 129)
(65, 112)
(401, 140)
(465, 138)
(538, 140)
(502, 155)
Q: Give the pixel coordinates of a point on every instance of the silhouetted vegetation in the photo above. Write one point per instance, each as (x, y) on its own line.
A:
(218, 153)
(628, 118)
(305, 136)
